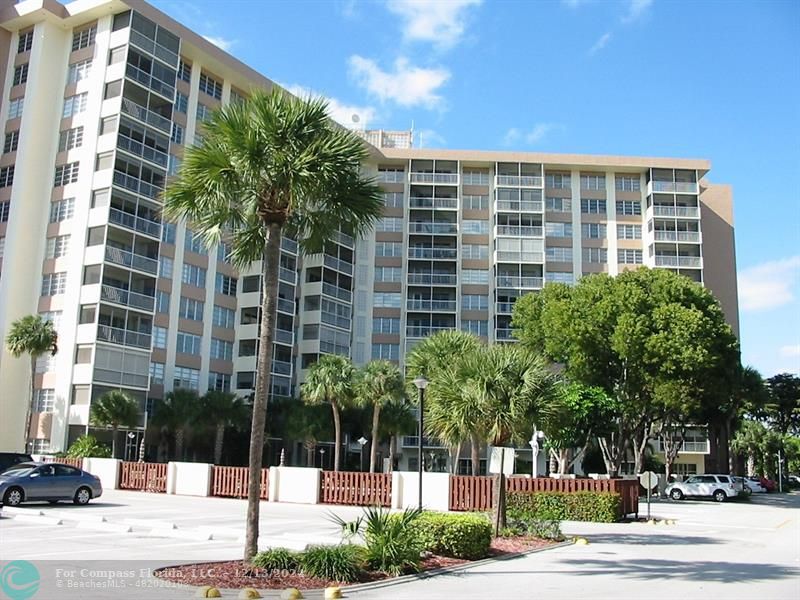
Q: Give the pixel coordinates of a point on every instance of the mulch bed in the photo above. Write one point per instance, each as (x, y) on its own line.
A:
(237, 574)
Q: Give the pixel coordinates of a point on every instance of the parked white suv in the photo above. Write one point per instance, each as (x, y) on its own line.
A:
(718, 487)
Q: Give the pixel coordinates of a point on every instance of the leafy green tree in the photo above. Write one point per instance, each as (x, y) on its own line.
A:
(87, 446)
(174, 414)
(270, 166)
(783, 406)
(378, 383)
(114, 409)
(309, 424)
(220, 410)
(330, 380)
(34, 336)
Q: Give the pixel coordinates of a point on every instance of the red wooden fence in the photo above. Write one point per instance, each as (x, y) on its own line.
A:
(471, 493)
(148, 477)
(72, 462)
(232, 482)
(355, 488)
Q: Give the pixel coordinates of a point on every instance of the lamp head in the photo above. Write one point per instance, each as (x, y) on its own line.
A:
(421, 383)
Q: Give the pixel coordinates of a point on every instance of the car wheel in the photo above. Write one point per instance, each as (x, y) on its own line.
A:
(13, 497)
(720, 496)
(676, 494)
(82, 496)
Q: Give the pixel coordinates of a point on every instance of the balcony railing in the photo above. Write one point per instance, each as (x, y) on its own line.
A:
(336, 320)
(432, 279)
(680, 187)
(391, 176)
(519, 180)
(431, 305)
(123, 337)
(134, 184)
(504, 334)
(515, 282)
(280, 367)
(129, 107)
(424, 330)
(141, 150)
(282, 336)
(504, 308)
(288, 245)
(426, 227)
(432, 253)
(129, 259)
(433, 202)
(521, 257)
(286, 306)
(695, 447)
(336, 292)
(342, 238)
(475, 179)
(287, 275)
(153, 83)
(448, 178)
(678, 261)
(663, 235)
(338, 264)
(144, 43)
(521, 206)
(126, 298)
(520, 230)
(412, 441)
(676, 211)
(130, 221)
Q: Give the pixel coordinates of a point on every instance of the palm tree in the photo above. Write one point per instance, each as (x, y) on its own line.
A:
(174, 414)
(269, 166)
(397, 418)
(34, 336)
(220, 410)
(378, 384)
(115, 409)
(330, 381)
(308, 424)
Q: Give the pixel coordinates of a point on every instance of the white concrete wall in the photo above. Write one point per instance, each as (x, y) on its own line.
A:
(294, 484)
(189, 479)
(435, 490)
(107, 469)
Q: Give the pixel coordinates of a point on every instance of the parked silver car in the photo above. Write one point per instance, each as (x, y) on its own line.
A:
(718, 487)
(51, 482)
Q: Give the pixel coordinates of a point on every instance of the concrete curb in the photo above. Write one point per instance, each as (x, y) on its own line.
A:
(37, 519)
(107, 527)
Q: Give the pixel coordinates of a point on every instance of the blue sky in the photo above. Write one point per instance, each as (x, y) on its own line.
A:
(717, 80)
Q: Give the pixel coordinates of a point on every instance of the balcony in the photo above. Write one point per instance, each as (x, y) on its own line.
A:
(519, 257)
(287, 276)
(692, 212)
(330, 318)
(391, 176)
(136, 185)
(504, 334)
(515, 282)
(142, 151)
(668, 235)
(412, 441)
(134, 223)
(336, 292)
(518, 180)
(519, 230)
(431, 305)
(131, 260)
(150, 82)
(340, 238)
(446, 178)
(129, 107)
(338, 264)
(144, 43)
(432, 253)
(280, 367)
(285, 306)
(421, 331)
(282, 336)
(504, 308)
(416, 202)
(123, 337)
(688, 447)
(123, 297)
(432, 279)
(694, 262)
(471, 178)
(288, 245)
(432, 228)
(521, 206)
(674, 187)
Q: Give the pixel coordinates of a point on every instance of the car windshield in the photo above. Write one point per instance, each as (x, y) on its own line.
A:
(18, 471)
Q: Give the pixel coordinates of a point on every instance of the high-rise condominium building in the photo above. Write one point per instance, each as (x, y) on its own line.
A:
(99, 100)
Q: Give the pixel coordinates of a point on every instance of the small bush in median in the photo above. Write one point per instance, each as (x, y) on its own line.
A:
(277, 559)
(335, 563)
(528, 507)
(458, 536)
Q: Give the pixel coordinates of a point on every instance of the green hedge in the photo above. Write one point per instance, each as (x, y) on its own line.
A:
(602, 507)
(458, 536)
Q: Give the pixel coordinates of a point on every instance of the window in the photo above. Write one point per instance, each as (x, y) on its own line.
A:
(40, 446)
(476, 251)
(44, 400)
(184, 71)
(25, 41)
(223, 317)
(476, 202)
(629, 232)
(194, 275)
(75, 104)
(558, 254)
(386, 351)
(184, 377)
(593, 182)
(393, 224)
(391, 175)
(108, 125)
(53, 284)
(562, 205)
(79, 71)
(11, 142)
(181, 102)
(388, 249)
(479, 328)
(15, 108)
(162, 301)
(629, 257)
(474, 302)
(70, 138)
(6, 176)
(191, 309)
(557, 181)
(194, 242)
(83, 354)
(221, 350)
(198, 138)
(203, 111)
(113, 89)
(476, 226)
(210, 86)
(558, 230)
(168, 233)
(628, 183)
(57, 246)
(157, 373)
(237, 97)
(165, 265)
(252, 283)
(66, 174)
(84, 38)
(250, 315)
(475, 276)
(219, 382)
(100, 197)
(595, 255)
(104, 161)
(159, 337)
(560, 277)
(225, 285)
(177, 134)
(20, 74)
(475, 177)
(388, 274)
(188, 343)
(245, 380)
(629, 207)
(386, 299)
(116, 55)
(593, 207)
(223, 251)
(393, 199)
(91, 274)
(593, 231)
(386, 325)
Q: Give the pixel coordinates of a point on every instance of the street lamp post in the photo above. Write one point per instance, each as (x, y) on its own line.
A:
(421, 384)
(322, 458)
(361, 441)
(534, 444)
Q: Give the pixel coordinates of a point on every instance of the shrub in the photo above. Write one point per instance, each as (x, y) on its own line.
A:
(546, 530)
(334, 563)
(87, 446)
(277, 559)
(458, 536)
(528, 507)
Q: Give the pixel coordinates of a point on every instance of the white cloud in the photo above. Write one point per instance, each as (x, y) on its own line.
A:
(406, 85)
(769, 285)
(531, 137)
(219, 42)
(637, 9)
(600, 43)
(428, 138)
(339, 111)
(442, 22)
(790, 351)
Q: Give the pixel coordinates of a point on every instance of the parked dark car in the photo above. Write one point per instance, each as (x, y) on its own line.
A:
(51, 482)
(9, 459)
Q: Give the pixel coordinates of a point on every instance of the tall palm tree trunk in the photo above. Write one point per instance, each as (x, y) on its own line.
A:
(391, 453)
(114, 442)
(219, 439)
(373, 445)
(475, 448)
(179, 435)
(29, 412)
(337, 430)
(269, 270)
